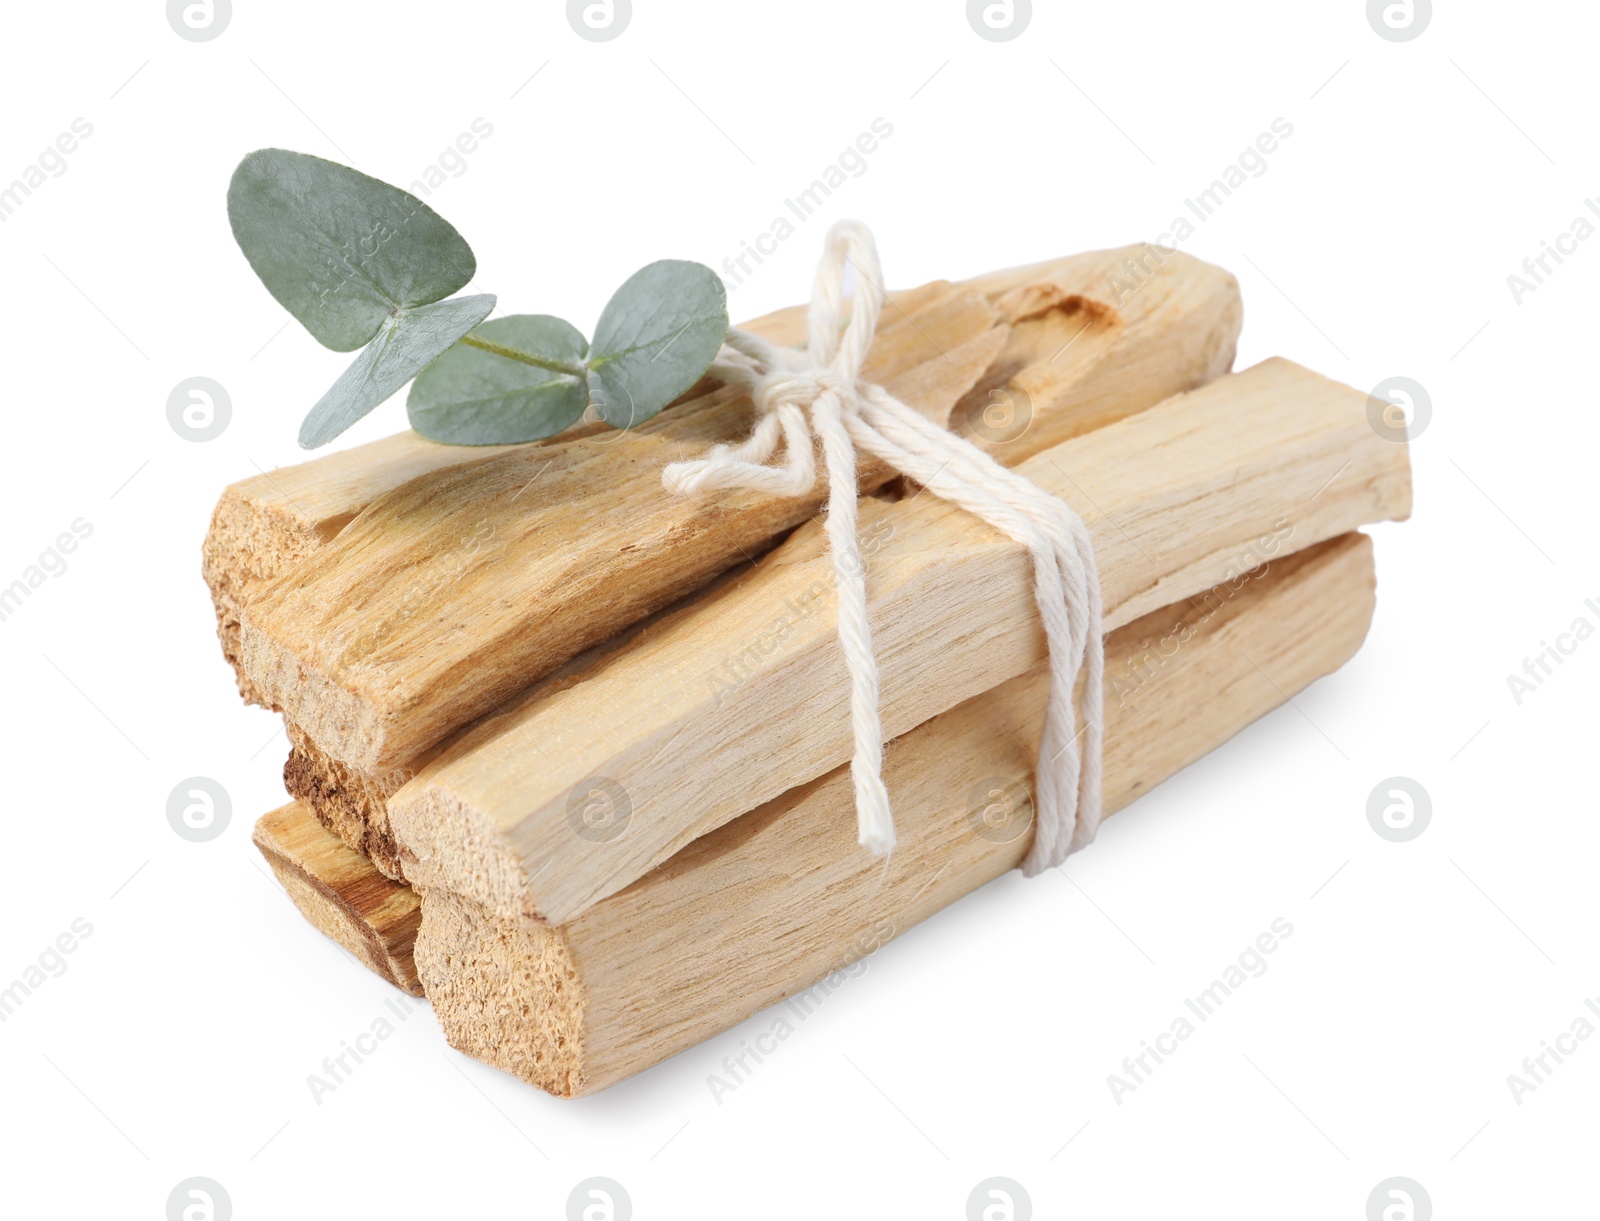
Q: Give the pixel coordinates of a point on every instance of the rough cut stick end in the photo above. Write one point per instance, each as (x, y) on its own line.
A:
(350, 803)
(248, 545)
(340, 893)
(264, 525)
(513, 991)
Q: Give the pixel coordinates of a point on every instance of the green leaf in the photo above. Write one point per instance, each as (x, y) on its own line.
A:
(655, 338)
(526, 382)
(405, 344)
(339, 250)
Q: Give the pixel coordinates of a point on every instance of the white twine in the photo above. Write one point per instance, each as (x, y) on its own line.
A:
(820, 392)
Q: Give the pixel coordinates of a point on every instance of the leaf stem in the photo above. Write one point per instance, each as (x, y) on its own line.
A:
(527, 358)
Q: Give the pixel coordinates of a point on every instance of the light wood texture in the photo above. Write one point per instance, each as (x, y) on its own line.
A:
(336, 887)
(446, 596)
(353, 804)
(1070, 360)
(744, 695)
(265, 525)
(682, 555)
(782, 898)
(340, 893)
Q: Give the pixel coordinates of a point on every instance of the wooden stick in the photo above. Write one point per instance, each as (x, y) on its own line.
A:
(1075, 363)
(782, 898)
(345, 897)
(353, 804)
(342, 894)
(744, 695)
(267, 524)
(350, 799)
(450, 594)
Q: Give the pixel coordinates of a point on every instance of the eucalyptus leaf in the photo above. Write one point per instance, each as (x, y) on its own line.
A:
(655, 338)
(524, 383)
(405, 344)
(339, 250)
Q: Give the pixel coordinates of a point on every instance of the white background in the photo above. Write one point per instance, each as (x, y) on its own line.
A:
(1378, 243)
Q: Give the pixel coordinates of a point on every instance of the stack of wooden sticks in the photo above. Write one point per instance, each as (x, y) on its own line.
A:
(570, 753)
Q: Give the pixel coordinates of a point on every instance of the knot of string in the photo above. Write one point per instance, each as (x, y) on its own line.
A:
(803, 398)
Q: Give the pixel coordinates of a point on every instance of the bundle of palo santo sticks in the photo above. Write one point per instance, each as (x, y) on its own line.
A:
(570, 753)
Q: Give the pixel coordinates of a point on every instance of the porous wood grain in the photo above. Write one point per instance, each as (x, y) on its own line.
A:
(264, 525)
(744, 694)
(780, 902)
(353, 804)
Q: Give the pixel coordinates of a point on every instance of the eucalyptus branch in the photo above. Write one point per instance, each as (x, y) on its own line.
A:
(300, 218)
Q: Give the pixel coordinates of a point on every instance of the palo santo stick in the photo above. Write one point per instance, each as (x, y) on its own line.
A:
(744, 694)
(354, 804)
(342, 894)
(264, 525)
(781, 898)
(350, 803)
(349, 799)
(1075, 364)
(450, 594)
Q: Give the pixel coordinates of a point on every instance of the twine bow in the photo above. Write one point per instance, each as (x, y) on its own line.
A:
(818, 394)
